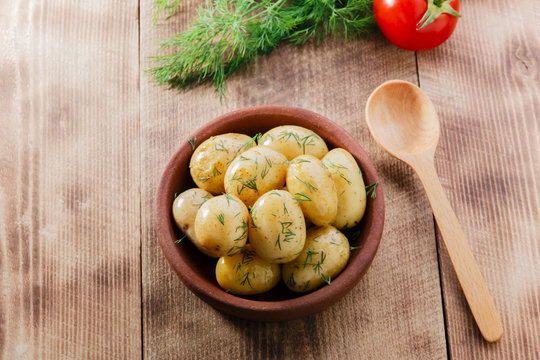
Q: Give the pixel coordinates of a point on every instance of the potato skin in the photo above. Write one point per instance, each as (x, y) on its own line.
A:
(312, 187)
(246, 274)
(292, 141)
(255, 172)
(277, 229)
(185, 208)
(325, 254)
(349, 185)
(221, 225)
(211, 159)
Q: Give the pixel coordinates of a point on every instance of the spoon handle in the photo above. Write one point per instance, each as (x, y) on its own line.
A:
(468, 274)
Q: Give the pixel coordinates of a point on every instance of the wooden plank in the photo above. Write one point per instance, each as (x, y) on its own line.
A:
(396, 310)
(69, 180)
(485, 84)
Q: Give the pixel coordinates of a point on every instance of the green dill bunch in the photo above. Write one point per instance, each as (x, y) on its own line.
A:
(225, 36)
(319, 18)
(168, 6)
(228, 35)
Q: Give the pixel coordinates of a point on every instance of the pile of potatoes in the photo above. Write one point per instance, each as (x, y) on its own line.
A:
(270, 207)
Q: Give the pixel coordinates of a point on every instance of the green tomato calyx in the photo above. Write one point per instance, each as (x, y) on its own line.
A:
(434, 9)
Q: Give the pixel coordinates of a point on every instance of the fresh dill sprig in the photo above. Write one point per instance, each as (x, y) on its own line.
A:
(344, 178)
(264, 172)
(294, 161)
(178, 241)
(228, 197)
(234, 250)
(309, 257)
(192, 142)
(287, 231)
(310, 186)
(301, 142)
(169, 6)
(286, 135)
(330, 164)
(228, 35)
(250, 143)
(205, 198)
(221, 218)
(370, 190)
(244, 228)
(247, 256)
(356, 247)
(301, 197)
(291, 282)
(266, 168)
(307, 140)
(250, 183)
(327, 280)
(245, 278)
(278, 243)
(253, 218)
(204, 179)
(215, 171)
(220, 146)
(352, 233)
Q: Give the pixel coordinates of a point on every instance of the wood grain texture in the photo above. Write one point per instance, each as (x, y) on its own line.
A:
(69, 180)
(395, 311)
(485, 84)
(403, 120)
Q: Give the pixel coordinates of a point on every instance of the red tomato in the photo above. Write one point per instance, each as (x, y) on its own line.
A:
(401, 21)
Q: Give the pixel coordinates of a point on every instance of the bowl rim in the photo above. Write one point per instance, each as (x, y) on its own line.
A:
(278, 310)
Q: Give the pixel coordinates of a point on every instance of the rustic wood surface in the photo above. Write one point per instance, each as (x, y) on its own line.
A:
(69, 180)
(326, 80)
(486, 87)
(84, 137)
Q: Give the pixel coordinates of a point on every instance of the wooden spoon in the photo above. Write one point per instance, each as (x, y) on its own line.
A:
(403, 121)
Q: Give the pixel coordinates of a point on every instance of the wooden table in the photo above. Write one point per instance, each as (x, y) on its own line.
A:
(84, 137)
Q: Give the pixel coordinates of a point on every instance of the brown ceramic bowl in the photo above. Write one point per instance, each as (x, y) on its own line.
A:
(197, 271)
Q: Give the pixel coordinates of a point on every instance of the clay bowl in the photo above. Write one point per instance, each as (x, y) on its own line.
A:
(198, 271)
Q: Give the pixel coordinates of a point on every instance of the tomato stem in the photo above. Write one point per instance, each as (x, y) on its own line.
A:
(434, 9)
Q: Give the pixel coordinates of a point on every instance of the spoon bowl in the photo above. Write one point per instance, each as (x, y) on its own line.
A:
(404, 122)
(402, 119)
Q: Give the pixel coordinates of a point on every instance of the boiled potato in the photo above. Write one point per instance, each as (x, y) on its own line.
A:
(291, 141)
(185, 208)
(312, 187)
(349, 185)
(221, 225)
(277, 229)
(324, 256)
(246, 274)
(255, 172)
(211, 159)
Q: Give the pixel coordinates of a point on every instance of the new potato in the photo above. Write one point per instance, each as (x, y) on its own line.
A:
(255, 172)
(292, 141)
(221, 225)
(211, 159)
(185, 208)
(246, 274)
(324, 256)
(291, 181)
(349, 185)
(312, 187)
(278, 230)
